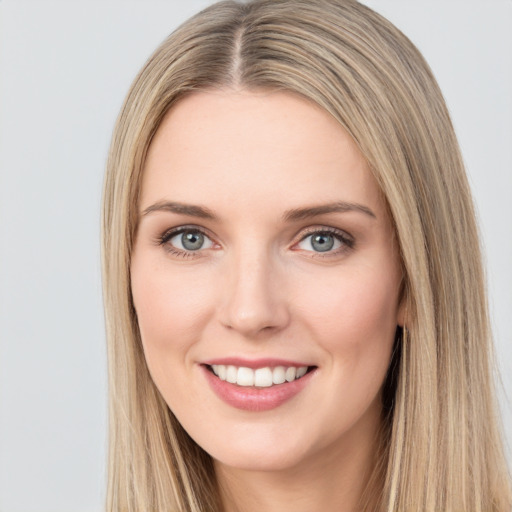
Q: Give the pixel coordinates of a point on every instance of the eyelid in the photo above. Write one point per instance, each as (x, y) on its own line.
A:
(169, 234)
(345, 238)
(311, 230)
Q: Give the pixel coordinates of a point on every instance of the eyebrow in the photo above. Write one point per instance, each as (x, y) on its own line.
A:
(180, 208)
(315, 211)
(293, 215)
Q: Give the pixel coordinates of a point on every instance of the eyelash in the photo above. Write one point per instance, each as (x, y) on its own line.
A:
(164, 239)
(347, 241)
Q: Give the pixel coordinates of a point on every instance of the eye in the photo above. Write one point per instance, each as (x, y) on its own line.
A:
(186, 240)
(324, 241)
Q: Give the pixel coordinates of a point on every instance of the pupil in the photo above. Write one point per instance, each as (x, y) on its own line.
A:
(192, 241)
(322, 243)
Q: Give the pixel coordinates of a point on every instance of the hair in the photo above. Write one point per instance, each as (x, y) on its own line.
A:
(441, 431)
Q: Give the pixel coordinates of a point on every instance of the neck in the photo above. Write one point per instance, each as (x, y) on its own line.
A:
(342, 478)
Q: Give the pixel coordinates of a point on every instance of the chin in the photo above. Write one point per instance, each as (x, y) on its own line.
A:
(258, 461)
(259, 452)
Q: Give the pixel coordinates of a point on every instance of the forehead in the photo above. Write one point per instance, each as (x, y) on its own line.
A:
(215, 146)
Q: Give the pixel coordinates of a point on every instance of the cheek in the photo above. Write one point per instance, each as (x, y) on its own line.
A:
(355, 323)
(171, 305)
(353, 313)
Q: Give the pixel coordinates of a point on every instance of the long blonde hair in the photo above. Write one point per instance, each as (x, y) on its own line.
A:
(443, 449)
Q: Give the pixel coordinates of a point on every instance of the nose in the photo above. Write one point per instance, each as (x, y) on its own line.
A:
(253, 300)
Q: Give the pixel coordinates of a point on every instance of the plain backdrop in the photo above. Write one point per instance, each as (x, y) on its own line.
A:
(65, 67)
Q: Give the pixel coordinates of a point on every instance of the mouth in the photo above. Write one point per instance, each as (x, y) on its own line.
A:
(257, 386)
(265, 377)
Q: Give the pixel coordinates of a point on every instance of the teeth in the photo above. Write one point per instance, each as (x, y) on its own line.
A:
(245, 377)
(231, 374)
(290, 373)
(279, 375)
(261, 378)
(301, 372)
(220, 371)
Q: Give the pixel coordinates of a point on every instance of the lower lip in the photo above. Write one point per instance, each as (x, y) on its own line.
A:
(256, 399)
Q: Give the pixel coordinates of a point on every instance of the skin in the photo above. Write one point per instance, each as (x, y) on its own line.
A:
(258, 288)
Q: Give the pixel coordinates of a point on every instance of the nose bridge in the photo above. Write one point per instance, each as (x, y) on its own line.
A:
(252, 302)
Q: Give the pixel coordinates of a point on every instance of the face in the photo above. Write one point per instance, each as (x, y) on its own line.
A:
(266, 279)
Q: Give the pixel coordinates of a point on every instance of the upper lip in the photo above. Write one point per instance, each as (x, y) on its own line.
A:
(255, 363)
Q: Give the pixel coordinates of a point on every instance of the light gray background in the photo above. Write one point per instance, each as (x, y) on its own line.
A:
(64, 69)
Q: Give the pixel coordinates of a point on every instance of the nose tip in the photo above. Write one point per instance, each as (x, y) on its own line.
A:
(252, 321)
(253, 302)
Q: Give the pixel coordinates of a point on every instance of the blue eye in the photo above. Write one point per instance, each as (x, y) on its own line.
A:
(190, 240)
(324, 241)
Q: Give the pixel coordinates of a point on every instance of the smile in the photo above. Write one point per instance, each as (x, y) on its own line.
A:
(260, 377)
(265, 386)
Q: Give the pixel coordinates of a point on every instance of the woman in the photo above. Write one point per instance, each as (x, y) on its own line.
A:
(293, 318)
